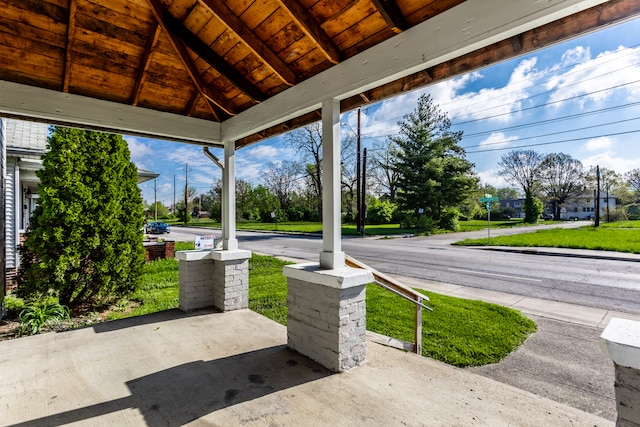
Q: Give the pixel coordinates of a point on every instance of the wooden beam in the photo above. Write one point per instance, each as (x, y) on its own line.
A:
(188, 110)
(312, 29)
(183, 55)
(392, 15)
(26, 102)
(200, 48)
(71, 33)
(144, 68)
(256, 45)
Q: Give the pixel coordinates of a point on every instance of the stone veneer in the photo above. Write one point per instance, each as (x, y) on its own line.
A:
(621, 342)
(326, 318)
(216, 278)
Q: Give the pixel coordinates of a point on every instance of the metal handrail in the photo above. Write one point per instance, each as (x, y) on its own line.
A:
(400, 294)
(399, 289)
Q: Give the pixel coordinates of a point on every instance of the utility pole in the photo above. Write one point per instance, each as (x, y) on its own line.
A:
(364, 189)
(155, 199)
(173, 205)
(359, 220)
(597, 217)
(186, 192)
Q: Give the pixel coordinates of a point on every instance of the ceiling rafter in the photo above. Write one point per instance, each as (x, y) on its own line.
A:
(200, 48)
(71, 32)
(256, 45)
(312, 29)
(157, 9)
(188, 110)
(608, 13)
(392, 15)
(144, 69)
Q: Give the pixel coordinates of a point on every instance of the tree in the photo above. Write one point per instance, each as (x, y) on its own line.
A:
(384, 175)
(432, 172)
(521, 168)
(307, 142)
(159, 208)
(281, 180)
(632, 178)
(84, 242)
(562, 178)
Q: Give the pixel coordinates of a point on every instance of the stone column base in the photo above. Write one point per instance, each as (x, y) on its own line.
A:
(326, 318)
(213, 278)
(621, 342)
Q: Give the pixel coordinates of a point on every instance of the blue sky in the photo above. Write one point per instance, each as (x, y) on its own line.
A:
(581, 97)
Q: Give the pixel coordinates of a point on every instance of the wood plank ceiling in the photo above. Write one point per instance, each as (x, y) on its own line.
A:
(213, 59)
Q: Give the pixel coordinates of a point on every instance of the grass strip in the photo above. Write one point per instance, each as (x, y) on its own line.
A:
(594, 238)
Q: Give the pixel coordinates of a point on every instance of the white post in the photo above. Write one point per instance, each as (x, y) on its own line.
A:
(229, 241)
(331, 257)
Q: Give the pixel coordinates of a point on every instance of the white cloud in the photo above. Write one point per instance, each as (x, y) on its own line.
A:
(612, 160)
(599, 78)
(598, 143)
(491, 177)
(497, 140)
(140, 152)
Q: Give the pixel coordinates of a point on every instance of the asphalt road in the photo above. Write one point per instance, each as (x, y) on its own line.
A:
(601, 283)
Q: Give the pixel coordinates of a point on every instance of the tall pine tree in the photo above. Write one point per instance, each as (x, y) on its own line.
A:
(432, 171)
(84, 241)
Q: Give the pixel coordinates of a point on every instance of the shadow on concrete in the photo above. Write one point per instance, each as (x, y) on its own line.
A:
(148, 319)
(184, 393)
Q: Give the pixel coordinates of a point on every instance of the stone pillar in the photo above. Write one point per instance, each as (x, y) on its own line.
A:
(217, 279)
(620, 340)
(326, 318)
(231, 279)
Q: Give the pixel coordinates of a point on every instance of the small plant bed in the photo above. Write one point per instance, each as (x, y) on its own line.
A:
(619, 239)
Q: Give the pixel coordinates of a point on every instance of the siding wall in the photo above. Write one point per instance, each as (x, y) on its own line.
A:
(10, 214)
(2, 214)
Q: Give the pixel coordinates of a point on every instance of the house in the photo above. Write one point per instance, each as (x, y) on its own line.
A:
(581, 206)
(24, 144)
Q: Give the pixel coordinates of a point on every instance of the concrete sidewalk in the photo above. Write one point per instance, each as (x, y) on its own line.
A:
(581, 315)
(234, 368)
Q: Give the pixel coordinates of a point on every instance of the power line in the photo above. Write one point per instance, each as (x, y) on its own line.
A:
(557, 133)
(555, 119)
(555, 142)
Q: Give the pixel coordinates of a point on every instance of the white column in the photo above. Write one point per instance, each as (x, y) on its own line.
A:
(229, 240)
(331, 256)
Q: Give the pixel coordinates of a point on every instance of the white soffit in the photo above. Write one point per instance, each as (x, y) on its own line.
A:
(27, 102)
(469, 26)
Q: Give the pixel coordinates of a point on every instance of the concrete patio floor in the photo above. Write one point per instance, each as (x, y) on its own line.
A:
(234, 368)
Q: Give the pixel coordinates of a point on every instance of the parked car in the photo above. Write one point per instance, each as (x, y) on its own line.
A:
(157, 227)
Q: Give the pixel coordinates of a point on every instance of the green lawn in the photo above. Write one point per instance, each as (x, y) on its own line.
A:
(458, 331)
(625, 237)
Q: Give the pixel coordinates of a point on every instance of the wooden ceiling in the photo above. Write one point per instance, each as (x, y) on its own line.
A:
(213, 59)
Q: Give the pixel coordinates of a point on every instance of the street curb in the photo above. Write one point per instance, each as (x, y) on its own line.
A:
(550, 252)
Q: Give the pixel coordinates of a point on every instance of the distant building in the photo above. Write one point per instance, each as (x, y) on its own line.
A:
(580, 206)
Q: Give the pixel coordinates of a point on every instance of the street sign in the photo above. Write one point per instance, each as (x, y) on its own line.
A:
(489, 199)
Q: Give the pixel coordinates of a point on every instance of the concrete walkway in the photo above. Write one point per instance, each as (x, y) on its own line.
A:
(234, 368)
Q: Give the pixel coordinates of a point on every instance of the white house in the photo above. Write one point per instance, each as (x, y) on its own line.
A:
(582, 206)
(24, 144)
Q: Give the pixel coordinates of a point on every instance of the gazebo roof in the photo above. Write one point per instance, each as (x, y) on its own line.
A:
(211, 71)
